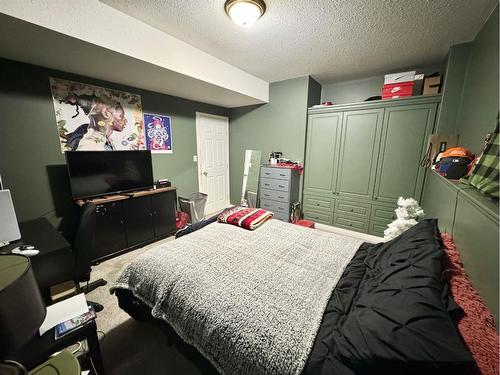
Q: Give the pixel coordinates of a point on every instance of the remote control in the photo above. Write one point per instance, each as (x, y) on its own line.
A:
(28, 253)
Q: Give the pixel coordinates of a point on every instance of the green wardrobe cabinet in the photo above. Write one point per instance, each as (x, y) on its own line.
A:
(361, 157)
(472, 220)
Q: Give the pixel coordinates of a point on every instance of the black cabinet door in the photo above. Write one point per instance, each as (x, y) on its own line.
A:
(164, 213)
(138, 220)
(110, 232)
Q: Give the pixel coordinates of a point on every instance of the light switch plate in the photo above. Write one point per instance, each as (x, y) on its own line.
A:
(195, 158)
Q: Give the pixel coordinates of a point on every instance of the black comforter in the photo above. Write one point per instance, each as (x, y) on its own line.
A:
(389, 313)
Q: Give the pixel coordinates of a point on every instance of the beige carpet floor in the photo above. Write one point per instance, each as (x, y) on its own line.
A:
(132, 347)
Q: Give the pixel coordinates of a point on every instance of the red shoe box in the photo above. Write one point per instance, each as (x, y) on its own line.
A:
(397, 90)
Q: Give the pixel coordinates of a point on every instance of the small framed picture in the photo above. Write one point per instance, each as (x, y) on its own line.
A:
(158, 133)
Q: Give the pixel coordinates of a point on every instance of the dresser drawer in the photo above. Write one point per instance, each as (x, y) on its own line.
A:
(281, 216)
(273, 184)
(274, 206)
(383, 213)
(274, 195)
(318, 217)
(355, 223)
(319, 202)
(278, 173)
(377, 228)
(353, 208)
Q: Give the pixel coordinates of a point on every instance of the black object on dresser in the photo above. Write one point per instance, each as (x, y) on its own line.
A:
(125, 222)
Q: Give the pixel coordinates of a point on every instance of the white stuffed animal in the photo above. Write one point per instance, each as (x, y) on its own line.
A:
(407, 215)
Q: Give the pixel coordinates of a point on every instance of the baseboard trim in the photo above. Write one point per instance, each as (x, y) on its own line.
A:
(345, 232)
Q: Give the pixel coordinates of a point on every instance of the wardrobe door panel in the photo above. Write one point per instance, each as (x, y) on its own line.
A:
(358, 153)
(404, 138)
(322, 153)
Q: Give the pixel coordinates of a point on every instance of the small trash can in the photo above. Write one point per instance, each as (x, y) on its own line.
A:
(194, 205)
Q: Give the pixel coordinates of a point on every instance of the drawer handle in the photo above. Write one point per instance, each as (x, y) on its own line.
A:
(350, 224)
(281, 186)
(317, 204)
(282, 175)
(281, 208)
(266, 195)
(351, 210)
(267, 184)
(268, 173)
(280, 197)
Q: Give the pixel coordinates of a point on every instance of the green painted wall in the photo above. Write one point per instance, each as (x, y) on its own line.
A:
(279, 125)
(31, 163)
(479, 105)
(456, 67)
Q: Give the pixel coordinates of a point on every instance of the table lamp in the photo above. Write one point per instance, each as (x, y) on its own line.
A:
(22, 310)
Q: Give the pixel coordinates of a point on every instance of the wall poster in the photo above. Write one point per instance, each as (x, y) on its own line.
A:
(158, 130)
(96, 118)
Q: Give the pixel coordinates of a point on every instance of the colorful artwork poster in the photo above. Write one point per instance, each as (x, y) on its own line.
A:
(96, 118)
(158, 133)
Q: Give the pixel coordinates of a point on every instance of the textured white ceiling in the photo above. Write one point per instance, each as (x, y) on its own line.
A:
(332, 40)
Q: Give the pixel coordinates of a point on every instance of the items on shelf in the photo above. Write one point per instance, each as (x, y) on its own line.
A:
(405, 84)
(454, 163)
(324, 104)
(432, 84)
(398, 85)
(276, 158)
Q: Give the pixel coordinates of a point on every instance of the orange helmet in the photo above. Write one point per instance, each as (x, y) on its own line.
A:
(457, 152)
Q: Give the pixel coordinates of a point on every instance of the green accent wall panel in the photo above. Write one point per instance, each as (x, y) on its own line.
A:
(479, 105)
(458, 57)
(279, 125)
(322, 153)
(404, 138)
(439, 200)
(358, 152)
(476, 236)
(472, 220)
(31, 163)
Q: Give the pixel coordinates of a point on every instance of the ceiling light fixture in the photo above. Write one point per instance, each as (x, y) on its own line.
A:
(245, 12)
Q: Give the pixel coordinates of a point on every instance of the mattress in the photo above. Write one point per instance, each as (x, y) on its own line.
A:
(387, 313)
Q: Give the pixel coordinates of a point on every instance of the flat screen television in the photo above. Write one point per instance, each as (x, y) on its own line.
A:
(98, 173)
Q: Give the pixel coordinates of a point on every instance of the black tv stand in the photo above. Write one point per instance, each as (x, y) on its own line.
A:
(128, 221)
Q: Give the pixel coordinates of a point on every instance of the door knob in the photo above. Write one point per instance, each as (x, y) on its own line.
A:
(205, 173)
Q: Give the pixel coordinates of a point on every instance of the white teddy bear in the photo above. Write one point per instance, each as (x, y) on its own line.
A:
(407, 215)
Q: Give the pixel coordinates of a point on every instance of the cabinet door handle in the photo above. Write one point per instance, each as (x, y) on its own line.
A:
(317, 204)
(351, 210)
(281, 186)
(267, 173)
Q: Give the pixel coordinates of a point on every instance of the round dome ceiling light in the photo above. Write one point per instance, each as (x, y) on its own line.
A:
(245, 12)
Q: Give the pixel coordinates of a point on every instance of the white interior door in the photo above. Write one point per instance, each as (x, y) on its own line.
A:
(212, 134)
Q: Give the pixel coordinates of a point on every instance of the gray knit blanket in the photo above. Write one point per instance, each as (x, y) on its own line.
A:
(250, 301)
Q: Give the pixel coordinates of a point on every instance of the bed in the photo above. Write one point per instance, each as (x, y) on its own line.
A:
(284, 299)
